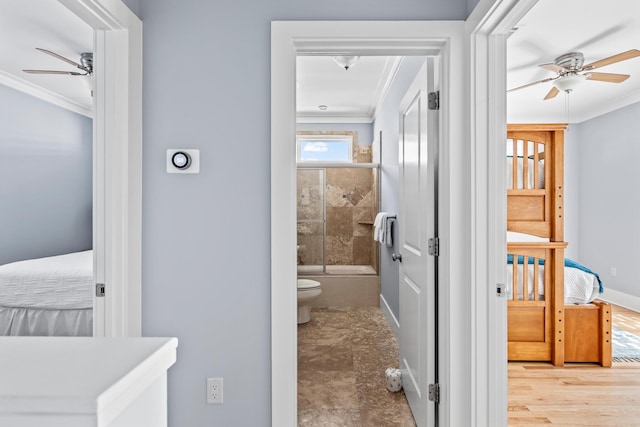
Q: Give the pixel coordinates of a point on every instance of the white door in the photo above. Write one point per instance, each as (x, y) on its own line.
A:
(417, 224)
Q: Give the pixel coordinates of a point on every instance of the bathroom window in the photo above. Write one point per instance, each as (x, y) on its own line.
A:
(324, 148)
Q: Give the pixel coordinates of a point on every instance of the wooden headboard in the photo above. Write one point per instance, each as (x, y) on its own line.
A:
(536, 153)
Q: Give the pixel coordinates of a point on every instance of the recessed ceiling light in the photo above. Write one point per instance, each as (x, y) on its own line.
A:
(322, 107)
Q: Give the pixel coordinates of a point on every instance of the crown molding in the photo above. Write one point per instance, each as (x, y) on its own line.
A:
(320, 118)
(44, 94)
(386, 80)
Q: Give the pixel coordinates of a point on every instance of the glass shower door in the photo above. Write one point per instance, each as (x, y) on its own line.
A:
(311, 223)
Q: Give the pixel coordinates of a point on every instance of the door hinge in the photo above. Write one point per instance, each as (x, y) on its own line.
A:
(434, 100)
(433, 246)
(500, 289)
(99, 289)
(434, 392)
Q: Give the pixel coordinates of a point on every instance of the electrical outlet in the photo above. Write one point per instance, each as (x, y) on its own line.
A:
(613, 272)
(214, 391)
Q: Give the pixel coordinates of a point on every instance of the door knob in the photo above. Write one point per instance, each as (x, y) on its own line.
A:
(397, 257)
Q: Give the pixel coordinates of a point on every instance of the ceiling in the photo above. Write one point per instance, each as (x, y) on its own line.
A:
(598, 29)
(25, 25)
(349, 95)
(550, 29)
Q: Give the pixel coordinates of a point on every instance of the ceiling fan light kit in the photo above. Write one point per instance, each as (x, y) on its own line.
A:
(571, 72)
(569, 82)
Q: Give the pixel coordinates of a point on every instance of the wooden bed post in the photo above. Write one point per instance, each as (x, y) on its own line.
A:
(557, 307)
(557, 184)
(606, 338)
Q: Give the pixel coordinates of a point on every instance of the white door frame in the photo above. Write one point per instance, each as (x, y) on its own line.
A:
(117, 164)
(488, 28)
(289, 39)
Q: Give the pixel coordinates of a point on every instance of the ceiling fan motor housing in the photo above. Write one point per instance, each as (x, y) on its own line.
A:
(571, 61)
(86, 59)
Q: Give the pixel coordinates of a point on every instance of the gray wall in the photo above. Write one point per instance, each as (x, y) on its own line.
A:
(45, 178)
(572, 144)
(387, 122)
(365, 130)
(206, 237)
(609, 202)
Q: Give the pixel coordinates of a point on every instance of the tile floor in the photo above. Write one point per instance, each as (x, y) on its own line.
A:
(342, 357)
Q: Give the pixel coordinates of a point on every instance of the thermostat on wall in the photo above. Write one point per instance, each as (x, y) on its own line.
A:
(183, 160)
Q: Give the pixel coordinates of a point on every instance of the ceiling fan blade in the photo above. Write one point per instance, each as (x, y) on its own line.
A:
(532, 84)
(69, 73)
(552, 93)
(553, 67)
(608, 77)
(612, 59)
(62, 58)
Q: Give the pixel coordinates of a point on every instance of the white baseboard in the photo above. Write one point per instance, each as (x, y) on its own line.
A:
(620, 298)
(391, 319)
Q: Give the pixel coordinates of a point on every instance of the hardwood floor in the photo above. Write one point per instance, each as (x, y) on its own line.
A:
(577, 394)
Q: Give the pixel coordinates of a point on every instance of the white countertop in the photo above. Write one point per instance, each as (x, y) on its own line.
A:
(78, 375)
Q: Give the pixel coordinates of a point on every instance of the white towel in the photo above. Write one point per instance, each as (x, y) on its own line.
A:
(382, 228)
(387, 237)
(377, 225)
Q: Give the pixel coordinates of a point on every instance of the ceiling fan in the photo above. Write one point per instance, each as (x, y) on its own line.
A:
(85, 65)
(571, 71)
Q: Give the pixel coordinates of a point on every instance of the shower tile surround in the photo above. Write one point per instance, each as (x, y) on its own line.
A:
(350, 209)
(342, 357)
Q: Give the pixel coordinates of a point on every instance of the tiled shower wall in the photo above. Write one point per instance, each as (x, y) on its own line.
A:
(351, 206)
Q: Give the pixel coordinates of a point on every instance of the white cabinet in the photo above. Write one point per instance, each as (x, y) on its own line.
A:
(82, 382)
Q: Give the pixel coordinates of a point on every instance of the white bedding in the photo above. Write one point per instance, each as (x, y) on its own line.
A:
(520, 173)
(579, 287)
(57, 282)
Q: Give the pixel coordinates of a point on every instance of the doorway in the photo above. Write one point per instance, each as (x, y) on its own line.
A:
(117, 41)
(363, 38)
(117, 164)
(337, 202)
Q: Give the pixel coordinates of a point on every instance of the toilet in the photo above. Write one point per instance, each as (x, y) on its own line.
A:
(308, 290)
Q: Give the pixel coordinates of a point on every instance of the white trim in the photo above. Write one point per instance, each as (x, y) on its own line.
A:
(612, 296)
(488, 28)
(387, 85)
(313, 118)
(338, 165)
(44, 94)
(391, 68)
(390, 317)
(283, 237)
(371, 38)
(117, 162)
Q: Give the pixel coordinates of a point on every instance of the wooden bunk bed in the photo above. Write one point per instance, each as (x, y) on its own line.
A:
(540, 326)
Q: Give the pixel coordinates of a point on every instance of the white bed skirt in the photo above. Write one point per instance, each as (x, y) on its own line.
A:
(40, 322)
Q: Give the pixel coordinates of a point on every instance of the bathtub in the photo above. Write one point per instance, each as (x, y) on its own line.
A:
(345, 285)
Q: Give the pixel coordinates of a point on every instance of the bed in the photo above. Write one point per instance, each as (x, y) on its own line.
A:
(542, 324)
(581, 285)
(51, 296)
